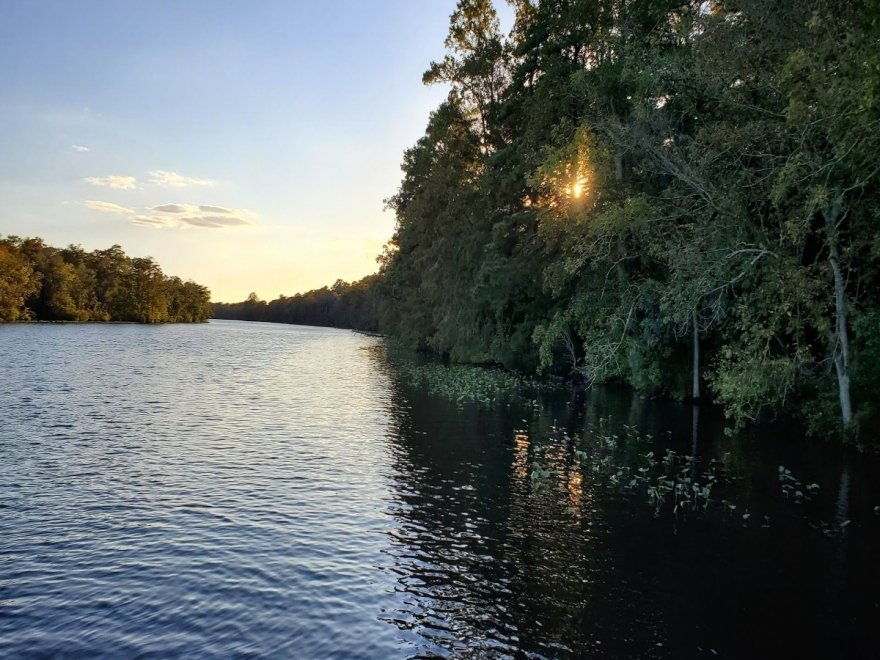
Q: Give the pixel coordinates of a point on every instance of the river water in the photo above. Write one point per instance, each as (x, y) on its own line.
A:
(257, 490)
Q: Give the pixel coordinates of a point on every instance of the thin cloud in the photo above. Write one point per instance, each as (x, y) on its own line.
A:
(79, 148)
(112, 181)
(203, 215)
(151, 221)
(215, 209)
(108, 207)
(175, 180)
(215, 221)
(181, 216)
(171, 208)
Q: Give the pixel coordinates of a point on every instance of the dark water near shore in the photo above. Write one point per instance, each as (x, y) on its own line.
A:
(258, 490)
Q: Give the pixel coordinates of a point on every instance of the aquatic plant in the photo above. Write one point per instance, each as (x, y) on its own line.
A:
(793, 489)
(485, 386)
(673, 483)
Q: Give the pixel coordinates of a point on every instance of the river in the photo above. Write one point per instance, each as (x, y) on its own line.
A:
(256, 490)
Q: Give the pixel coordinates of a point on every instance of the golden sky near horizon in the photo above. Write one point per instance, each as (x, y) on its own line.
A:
(248, 147)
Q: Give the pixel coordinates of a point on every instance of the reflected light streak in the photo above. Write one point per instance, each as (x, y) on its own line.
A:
(575, 487)
(521, 454)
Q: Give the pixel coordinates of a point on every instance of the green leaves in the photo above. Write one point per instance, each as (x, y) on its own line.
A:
(42, 282)
(652, 193)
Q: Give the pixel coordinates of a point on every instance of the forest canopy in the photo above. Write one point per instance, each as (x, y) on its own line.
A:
(343, 305)
(679, 195)
(42, 283)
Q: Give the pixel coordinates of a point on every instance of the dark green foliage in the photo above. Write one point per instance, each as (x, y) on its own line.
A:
(660, 192)
(343, 305)
(677, 194)
(39, 282)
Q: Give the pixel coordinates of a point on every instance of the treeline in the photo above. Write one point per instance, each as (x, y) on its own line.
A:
(43, 283)
(344, 305)
(681, 195)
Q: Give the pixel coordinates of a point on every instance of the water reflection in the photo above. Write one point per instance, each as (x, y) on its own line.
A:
(521, 455)
(485, 556)
(256, 490)
(492, 562)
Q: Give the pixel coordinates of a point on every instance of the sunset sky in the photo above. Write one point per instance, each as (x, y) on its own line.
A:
(247, 146)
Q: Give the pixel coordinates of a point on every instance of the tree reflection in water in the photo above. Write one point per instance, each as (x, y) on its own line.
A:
(487, 557)
(491, 562)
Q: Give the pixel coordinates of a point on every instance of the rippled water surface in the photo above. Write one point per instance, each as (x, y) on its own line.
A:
(257, 490)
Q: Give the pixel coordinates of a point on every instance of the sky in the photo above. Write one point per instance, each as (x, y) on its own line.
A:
(245, 145)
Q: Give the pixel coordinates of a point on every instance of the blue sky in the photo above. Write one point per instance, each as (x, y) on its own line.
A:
(245, 145)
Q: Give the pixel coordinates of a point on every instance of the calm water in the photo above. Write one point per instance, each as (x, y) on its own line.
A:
(256, 490)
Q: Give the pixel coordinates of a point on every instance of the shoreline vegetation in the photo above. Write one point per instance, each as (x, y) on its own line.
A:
(355, 306)
(43, 284)
(678, 196)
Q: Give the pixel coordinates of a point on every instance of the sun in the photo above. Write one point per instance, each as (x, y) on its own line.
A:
(578, 187)
(567, 180)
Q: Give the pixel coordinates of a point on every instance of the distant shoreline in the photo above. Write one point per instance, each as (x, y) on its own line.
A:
(368, 333)
(94, 322)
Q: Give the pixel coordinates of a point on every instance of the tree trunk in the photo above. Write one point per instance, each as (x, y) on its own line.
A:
(695, 433)
(619, 268)
(621, 253)
(841, 334)
(695, 392)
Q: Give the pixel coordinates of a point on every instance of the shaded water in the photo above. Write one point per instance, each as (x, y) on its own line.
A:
(258, 490)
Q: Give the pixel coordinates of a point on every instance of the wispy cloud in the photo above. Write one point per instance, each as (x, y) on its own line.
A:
(180, 215)
(151, 221)
(216, 221)
(202, 215)
(112, 181)
(80, 148)
(109, 207)
(194, 209)
(175, 180)
(171, 208)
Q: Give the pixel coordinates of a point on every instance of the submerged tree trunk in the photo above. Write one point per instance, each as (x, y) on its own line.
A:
(695, 392)
(841, 334)
(842, 508)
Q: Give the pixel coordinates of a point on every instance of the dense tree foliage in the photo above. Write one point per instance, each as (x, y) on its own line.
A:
(343, 305)
(39, 282)
(678, 194)
(664, 192)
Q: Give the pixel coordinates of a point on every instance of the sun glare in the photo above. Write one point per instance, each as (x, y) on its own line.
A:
(567, 180)
(578, 187)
